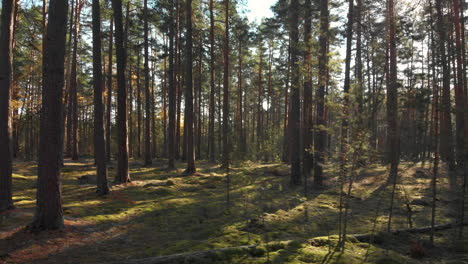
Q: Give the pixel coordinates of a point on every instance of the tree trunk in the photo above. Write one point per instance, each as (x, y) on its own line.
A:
(226, 147)
(99, 142)
(49, 213)
(148, 159)
(211, 125)
(393, 142)
(6, 84)
(294, 118)
(109, 93)
(320, 133)
(74, 84)
(190, 153)
(459, 86)
(308, 158)
(172, 93)
(446, 136)
(122, 154)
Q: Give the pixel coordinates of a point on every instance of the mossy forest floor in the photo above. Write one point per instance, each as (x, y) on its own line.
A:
(164, 212)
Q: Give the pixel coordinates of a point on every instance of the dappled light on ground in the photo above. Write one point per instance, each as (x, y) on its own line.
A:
(165, 212)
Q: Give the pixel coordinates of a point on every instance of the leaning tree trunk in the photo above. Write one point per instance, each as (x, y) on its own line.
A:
(122, 154)
(6, 81)
(99, 142)
(49, 212)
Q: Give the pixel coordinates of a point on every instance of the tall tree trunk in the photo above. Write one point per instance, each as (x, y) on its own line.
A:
(190, 153)
(285, 154)
(294, 117)
(446, 136)
(178, 77)
(164, 96)
(226, 147)
(172, 93)
(345, 124)
(49, 212)
(74, 84)
(109, 92)
(148, 159)
(308, 158)
(240, 113)
(259, 136)
(6, 84)
(122, 154)
(211, 125)
(138, 97)
(359, 74)
(320, 133)
(393, 142)
(99, 142)
(459, 86)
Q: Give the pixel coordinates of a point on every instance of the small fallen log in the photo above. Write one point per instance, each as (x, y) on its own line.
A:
(207, 256)
(377, 237)
(211, 256)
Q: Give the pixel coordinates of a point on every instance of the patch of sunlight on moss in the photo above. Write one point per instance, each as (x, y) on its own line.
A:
(85, 203)
(23, 177)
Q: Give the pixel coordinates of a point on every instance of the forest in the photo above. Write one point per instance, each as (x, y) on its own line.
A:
(205, 131)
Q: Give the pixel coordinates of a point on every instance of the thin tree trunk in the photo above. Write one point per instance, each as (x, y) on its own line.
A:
(226, 147)
(172, 93)
(211, 125)
(190, 153)
(148, 159)
(109, 93)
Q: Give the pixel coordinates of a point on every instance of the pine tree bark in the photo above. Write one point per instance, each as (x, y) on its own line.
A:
(320, 133)
(446, 137)
(109, 92)
(240, 113)
(74, 84)
(99, 141)
(211, 125)
(6, 84)
(459, 88)
(190, 153)
(148, 159)
(171, 93)
(226, 146)
(294, 117)
(393, 141)
(49, 212)
(308, 158)
(122, 154)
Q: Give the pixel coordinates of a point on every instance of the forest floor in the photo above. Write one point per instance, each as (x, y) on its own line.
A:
(164, 212)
